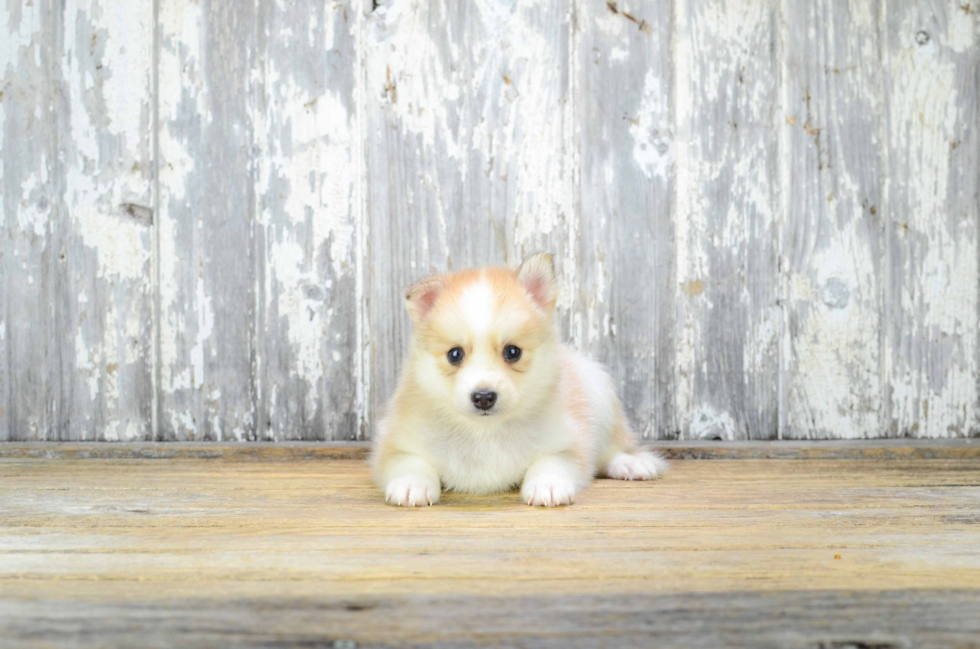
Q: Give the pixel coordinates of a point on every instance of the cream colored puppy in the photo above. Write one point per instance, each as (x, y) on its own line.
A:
(489, 398)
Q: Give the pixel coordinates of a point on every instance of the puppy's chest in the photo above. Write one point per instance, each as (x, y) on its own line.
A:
(483, 464)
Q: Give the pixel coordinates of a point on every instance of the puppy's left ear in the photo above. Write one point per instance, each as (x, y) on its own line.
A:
(537, 274)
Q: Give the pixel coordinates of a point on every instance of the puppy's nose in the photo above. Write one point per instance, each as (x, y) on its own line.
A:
(484, 399)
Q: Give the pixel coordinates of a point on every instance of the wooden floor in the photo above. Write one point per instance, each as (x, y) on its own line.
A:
(283, 548)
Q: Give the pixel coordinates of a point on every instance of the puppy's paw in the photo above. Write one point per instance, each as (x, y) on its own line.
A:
(412, 491)
(636, 466)
(548, 491)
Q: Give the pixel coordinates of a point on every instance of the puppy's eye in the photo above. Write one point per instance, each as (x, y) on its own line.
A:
(455, 356)
(512, 353)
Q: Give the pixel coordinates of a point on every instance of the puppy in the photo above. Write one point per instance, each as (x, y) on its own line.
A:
(490, 399)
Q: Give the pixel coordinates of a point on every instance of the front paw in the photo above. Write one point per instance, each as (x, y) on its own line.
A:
(548, 491)
(412, 491)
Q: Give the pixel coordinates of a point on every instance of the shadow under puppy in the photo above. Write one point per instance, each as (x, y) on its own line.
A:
(490, 399)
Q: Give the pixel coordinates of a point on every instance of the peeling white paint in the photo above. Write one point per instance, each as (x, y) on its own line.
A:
(204, 329)
(707, 423)
(483, 115)
(652, 148)
(931, 367)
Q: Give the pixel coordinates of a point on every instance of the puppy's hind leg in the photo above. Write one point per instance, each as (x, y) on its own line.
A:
(622, 459)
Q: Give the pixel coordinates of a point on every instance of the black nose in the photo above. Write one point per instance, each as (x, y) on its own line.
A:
(484, 399)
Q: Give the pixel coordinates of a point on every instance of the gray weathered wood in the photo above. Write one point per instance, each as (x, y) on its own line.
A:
(306, 293)
(931, 71)
(105, 140)
(625, 255)
(865, 449)
(833, 249)
(765, 214)
(834, 619)
(728, 322)
(78, 167)
(467, 147)
(29, 354)
(207, 253)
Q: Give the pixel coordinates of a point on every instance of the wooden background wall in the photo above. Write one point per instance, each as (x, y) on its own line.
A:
(765, 212)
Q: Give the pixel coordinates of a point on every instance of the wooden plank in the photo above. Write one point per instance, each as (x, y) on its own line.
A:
(305, 234)
(726, 98)
(30, 382)
(878, 449)
(625, 254)
(206, 250)
(124, 548)
(833, 247)
(78, 201)
(467, 147)
(105, 144)
(933, 294)
(806, 620)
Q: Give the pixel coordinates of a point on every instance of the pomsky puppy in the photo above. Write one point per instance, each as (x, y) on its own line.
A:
(490, 399)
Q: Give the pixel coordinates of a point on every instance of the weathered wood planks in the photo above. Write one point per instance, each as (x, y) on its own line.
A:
(77, 147)
(275, 551)
(765, 214)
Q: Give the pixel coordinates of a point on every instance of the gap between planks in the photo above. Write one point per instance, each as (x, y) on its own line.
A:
(878, 449)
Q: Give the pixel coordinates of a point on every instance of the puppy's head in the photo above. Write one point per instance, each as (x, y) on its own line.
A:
(483, 349)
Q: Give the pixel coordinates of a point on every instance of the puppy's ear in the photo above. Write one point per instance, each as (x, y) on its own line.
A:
(537, 274)
(421, 296)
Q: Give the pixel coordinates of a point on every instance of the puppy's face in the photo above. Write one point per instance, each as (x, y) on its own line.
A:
(484, 341)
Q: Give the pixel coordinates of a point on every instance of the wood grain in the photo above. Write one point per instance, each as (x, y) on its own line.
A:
(207, 255)
(878, 449)
(728, 319)
(807, 619)
(105, 140)
(306, 256)
(78, 209)
(102, 552)
(833, 246)
(623, 85)
(930, 68)
(32, 227)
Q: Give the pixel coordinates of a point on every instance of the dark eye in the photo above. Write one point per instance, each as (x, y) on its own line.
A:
(455, 355)
(512, 353)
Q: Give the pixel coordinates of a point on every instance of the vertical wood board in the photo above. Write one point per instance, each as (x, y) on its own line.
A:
(728, 320)
(626, 274)
(932, 88)
(833, 248)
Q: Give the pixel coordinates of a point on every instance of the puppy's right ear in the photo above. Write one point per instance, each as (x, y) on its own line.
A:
(421, 296)
(537, 274)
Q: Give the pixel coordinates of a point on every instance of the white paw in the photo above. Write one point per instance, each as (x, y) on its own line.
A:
(548, 491)
(412, 491)
(636, 466)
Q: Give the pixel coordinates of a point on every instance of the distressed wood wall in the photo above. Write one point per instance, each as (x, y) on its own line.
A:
(765, 212)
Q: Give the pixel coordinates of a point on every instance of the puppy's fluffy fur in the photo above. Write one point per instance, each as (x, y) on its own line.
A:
(554, 423)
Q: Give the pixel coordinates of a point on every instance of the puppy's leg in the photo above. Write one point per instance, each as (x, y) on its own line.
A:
(623, 461)
(552, 481)
(409, 481)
